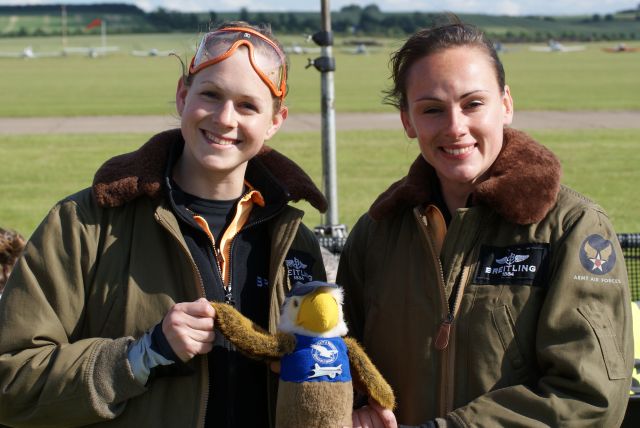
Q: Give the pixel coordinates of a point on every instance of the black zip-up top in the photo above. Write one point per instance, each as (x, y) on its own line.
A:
(231, 373)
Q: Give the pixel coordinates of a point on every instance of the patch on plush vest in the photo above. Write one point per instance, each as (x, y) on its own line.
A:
(316, 359)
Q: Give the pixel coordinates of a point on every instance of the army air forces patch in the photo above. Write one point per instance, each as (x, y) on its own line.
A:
(597, 255)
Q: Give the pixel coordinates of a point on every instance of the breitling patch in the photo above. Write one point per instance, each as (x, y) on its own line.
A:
(514, 265)
(597, 255)
(299, 266)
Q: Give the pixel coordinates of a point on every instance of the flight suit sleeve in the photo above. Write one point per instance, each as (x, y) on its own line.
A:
(584, 345)
(50, 374)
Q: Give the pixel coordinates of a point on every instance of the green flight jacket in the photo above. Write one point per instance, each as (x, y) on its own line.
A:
(104, 266)
(517, 315)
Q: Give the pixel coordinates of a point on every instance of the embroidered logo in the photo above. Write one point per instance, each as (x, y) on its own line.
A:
(261, 282)
(515, 265)
(299, 266)
(295, 264)
(511, 259)
(324, 352)
(597, 255)
(332, 372)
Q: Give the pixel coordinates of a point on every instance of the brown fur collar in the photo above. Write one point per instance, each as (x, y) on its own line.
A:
(522, 187)
(131, 175)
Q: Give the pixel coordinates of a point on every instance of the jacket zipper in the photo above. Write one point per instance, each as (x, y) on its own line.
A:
(228, 299)
(444, 329)
(205, 390)
(447, 400)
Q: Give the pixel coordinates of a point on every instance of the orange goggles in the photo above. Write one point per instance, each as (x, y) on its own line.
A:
(266, 58)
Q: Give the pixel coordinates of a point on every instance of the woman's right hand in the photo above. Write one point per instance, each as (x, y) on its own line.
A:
(188, 327)
(373, 415)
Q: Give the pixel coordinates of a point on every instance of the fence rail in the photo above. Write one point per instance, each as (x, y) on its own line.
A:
(630, 243)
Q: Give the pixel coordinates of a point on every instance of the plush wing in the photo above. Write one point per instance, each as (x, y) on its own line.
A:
(250, 337)
(368, 376)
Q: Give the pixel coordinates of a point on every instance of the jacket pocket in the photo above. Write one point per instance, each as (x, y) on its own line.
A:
(601, 325)
(505, 326)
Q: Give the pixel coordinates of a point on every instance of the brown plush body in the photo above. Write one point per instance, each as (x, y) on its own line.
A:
(314, 404)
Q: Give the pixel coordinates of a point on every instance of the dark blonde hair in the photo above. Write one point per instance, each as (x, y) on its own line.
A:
(428, 41)
(11, 246)
(265, 30)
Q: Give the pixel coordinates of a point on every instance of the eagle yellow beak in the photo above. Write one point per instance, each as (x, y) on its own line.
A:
(318, 312)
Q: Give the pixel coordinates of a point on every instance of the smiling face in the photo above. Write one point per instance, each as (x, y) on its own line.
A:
(457, 111)
(227, 113)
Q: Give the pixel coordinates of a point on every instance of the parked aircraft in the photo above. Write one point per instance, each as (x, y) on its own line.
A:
(151, 52)
(297, 49)
(555, 46)
(29, 53)
(621, 47)
(92, 52)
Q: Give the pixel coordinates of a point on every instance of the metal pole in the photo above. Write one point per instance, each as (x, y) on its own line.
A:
(331, 235)
(64, 26)
(329, 127)
(103, 32)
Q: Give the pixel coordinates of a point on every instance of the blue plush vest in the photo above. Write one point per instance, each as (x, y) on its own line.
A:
(316, 359)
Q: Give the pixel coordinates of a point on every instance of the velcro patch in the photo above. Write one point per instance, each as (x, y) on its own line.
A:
(513, 265)
(597, 255)
(299, 266)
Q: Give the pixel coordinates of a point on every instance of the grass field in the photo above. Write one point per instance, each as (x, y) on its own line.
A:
(124, 84)
(40, 170)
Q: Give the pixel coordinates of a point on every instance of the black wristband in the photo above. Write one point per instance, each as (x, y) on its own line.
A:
(160, 344)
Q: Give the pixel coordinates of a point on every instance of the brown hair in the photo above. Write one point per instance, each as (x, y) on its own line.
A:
(428, 41)
(11, 246)
(265, 30)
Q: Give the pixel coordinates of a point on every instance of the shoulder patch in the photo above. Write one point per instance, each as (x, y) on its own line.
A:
(513, 265)
(597, 255)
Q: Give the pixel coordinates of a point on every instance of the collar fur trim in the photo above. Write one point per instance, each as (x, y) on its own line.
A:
(131, 175)
(522, 187)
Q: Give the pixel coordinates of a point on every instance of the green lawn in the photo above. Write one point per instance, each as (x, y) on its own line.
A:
(124, 84)
(40, 170)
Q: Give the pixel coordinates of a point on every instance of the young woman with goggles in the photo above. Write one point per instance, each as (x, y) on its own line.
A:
(106, 317)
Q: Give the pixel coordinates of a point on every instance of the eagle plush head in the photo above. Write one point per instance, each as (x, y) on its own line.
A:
(313, 309)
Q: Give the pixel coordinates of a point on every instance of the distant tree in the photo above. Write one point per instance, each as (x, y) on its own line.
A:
(244, 15)
(371, 19)
(292, 21)
(595, 17)
(261, 18)
(354, 8)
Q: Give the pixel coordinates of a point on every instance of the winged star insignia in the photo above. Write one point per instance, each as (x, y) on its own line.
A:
(597, 255)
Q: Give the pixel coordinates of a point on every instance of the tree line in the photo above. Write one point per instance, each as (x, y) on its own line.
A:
(352, 20)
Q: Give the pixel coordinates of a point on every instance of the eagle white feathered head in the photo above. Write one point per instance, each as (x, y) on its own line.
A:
(313, 309)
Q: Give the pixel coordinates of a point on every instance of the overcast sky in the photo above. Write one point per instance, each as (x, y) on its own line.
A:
(496, 7)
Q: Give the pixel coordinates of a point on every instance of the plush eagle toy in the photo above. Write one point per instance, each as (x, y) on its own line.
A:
(316, 361)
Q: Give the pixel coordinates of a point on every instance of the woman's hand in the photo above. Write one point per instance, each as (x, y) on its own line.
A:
(373, 416)
(188, 328)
